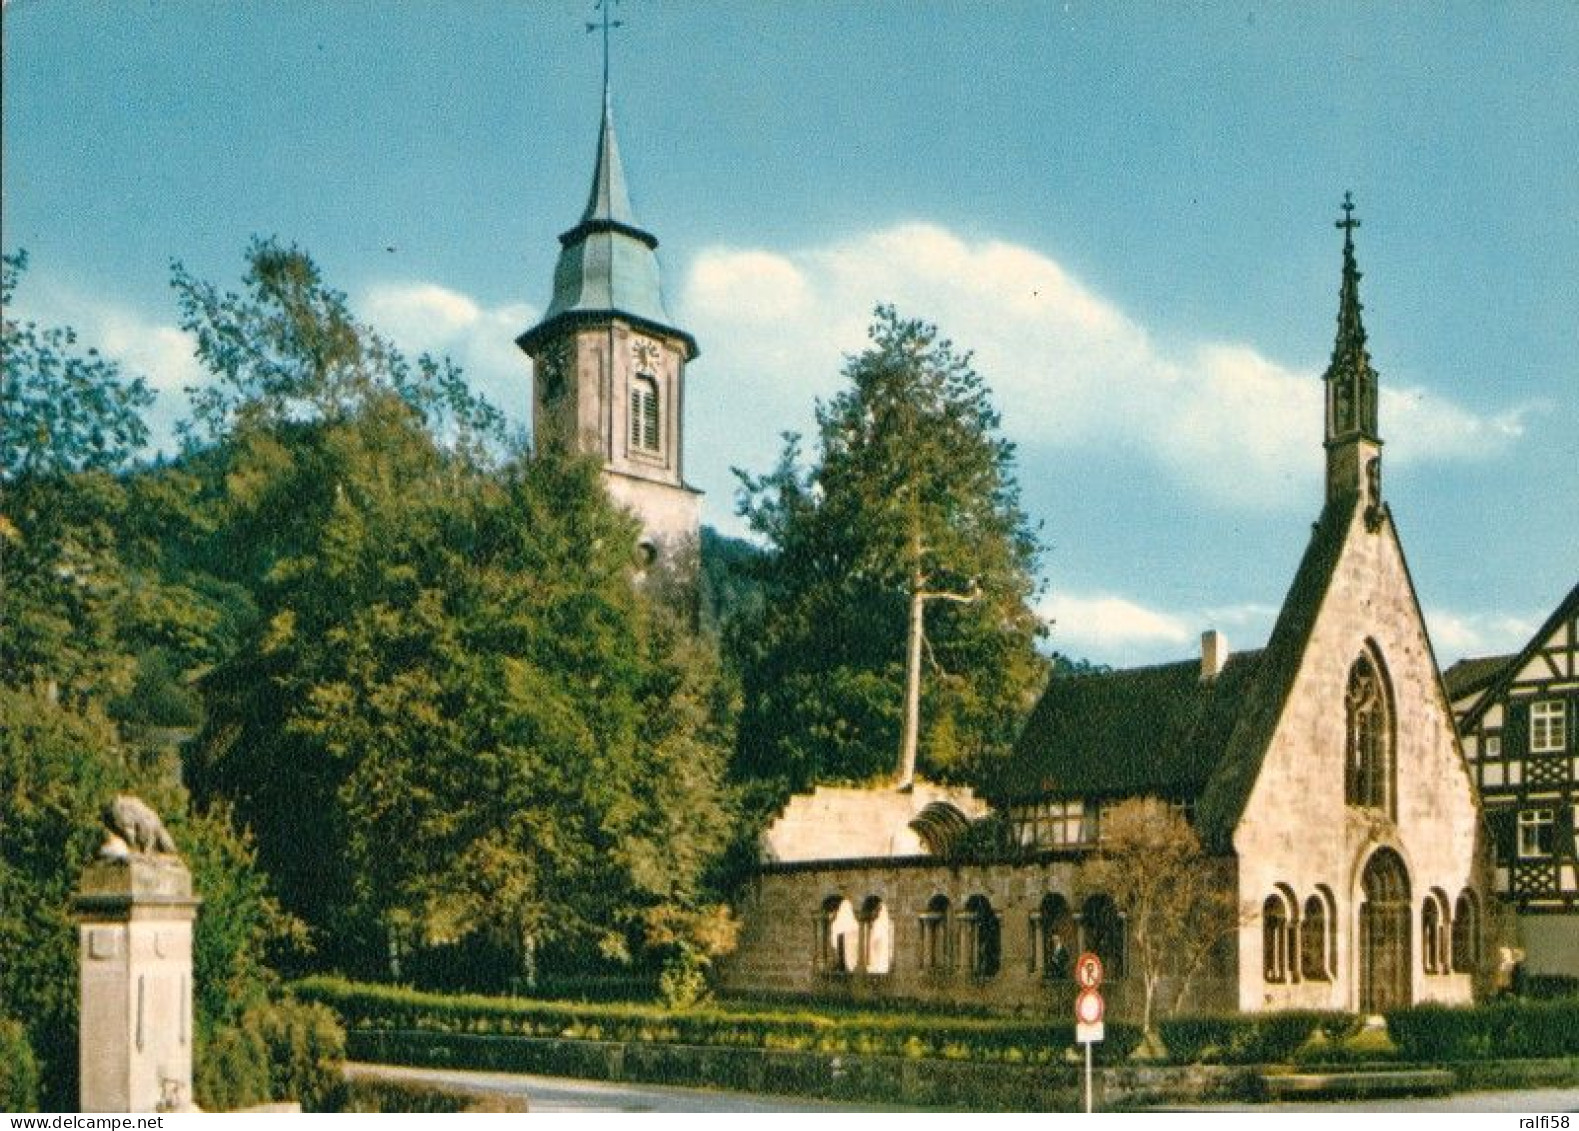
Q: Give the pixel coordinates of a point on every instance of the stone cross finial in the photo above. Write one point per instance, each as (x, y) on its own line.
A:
(1348, 223)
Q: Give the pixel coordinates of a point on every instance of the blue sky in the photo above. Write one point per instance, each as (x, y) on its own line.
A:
(1125, 210)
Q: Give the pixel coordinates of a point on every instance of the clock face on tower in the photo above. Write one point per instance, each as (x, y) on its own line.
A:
(646, 354)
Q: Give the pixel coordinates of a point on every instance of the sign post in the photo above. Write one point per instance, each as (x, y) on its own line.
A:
(1089, 1009)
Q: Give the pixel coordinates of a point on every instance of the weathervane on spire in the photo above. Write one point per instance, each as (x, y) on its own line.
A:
(606, 22)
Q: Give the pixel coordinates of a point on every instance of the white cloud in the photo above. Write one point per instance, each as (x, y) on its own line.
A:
(1099, 625)
(1455, 635)
(1069, 368)
(1114, 629)
(158, 351)
(423, 317)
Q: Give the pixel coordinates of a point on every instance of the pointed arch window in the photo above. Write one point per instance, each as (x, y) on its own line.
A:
(645, 429)
(1466, 934)
(1370, 765)
(1315, 937)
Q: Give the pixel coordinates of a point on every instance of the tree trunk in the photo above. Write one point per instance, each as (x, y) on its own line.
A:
(912, 721)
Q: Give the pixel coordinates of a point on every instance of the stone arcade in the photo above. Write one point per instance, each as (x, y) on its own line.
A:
(1323, 773)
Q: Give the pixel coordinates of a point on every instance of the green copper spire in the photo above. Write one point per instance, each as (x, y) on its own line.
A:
(1351, 381)
(607, 262)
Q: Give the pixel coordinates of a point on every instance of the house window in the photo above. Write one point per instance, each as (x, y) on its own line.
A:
(1494, 746)
(981, 937)
(1370, 772)
(1466, 934)
(1052, 824)
(644, 414)
(1548, 727)
(1274, 939)
(1536, 827)
(934, 935)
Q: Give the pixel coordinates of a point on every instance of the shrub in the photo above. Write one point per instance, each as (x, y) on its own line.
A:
(286, 1050)
(1501, 1029)
(1256, 1038)
(18, 1069)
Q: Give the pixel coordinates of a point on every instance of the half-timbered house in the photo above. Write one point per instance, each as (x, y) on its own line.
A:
(1518, 716)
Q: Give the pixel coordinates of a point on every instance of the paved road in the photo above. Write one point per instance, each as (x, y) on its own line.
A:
(558, 1094)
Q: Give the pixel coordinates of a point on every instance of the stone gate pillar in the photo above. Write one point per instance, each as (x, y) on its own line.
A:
(134, 910)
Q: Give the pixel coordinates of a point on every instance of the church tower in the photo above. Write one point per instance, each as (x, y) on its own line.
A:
(1354, 445)
(609, 362)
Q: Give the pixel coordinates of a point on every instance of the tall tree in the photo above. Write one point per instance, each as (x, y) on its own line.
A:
(456, 716)
(903, 545)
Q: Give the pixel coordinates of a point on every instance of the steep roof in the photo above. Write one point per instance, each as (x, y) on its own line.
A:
(1566, 610)
(1163, 730)
(608, 266)
(1145, 730)
(1470, 675)
(1223, 801)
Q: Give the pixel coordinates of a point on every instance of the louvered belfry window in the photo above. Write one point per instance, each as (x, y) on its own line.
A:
(644, 429)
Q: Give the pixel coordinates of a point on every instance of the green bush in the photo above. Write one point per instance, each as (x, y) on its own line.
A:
(1498, 1030)
(384, 1008)
(1254, 1038)
(286, 1050)
(18, 1069)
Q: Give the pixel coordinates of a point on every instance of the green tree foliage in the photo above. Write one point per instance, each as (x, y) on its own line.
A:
(61, 410)
(103, 620)
(455, 715)
(912, 494)
(290, 350)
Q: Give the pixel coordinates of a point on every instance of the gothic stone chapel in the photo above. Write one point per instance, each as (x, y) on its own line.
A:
(1322, 772)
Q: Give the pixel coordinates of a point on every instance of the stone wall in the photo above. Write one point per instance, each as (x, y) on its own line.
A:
(848, 822)
(783, 951)
(1297, 830)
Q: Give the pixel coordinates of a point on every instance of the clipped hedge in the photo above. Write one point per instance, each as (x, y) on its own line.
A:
(369, 1007)
(1499, 1030)
(1257, 1038)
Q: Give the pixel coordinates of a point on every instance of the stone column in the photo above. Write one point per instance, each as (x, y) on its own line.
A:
(135, 912)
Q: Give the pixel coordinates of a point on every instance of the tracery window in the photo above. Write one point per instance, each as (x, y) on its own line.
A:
(644, 431)
(1370, 770)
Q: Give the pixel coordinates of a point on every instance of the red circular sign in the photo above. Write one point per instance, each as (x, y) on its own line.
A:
(1088, 970)
(1088, 1007)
